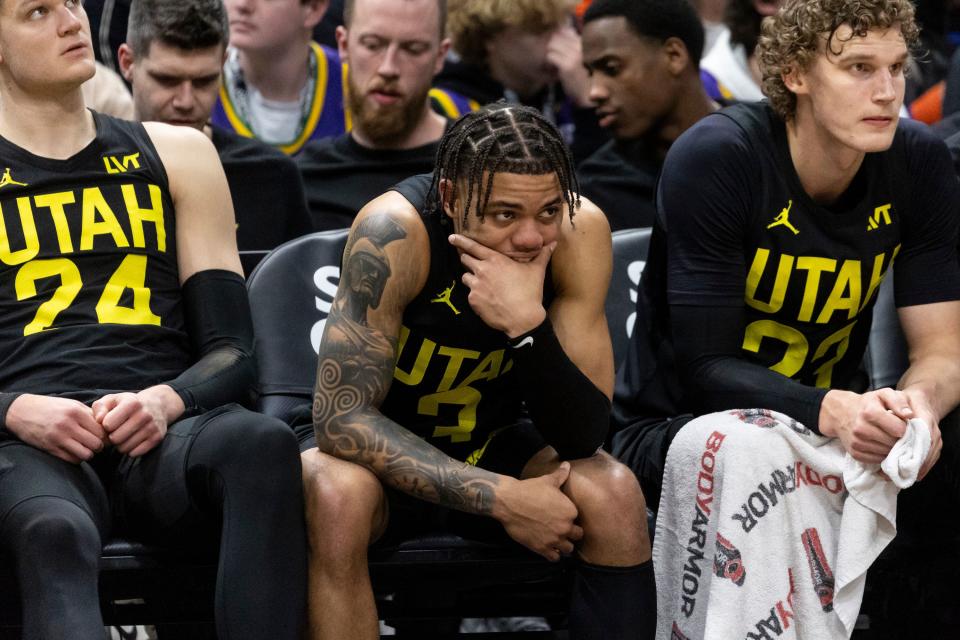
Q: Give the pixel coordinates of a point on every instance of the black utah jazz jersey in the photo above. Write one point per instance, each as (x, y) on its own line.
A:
(89, 287)
(453, 383)
(736, 228)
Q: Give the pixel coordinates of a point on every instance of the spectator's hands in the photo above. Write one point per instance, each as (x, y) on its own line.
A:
(61, 427)
(867, 425)
(137, 422)
(565, 54)
(507, 294)
(538, 515)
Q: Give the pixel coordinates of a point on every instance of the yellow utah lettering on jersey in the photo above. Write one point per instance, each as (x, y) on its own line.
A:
(462, 394)
(846, 293)
(96, 219)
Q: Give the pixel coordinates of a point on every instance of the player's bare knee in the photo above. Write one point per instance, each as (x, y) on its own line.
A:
(342, 499)
(606, 490)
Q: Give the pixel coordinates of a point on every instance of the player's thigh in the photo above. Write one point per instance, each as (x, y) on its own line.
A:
(27, 472)
(172, 489)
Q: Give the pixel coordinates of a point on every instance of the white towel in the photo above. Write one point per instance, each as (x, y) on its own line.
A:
(768, 500)
(869, 519)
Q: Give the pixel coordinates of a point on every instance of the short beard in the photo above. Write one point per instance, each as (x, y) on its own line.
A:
(386, 125)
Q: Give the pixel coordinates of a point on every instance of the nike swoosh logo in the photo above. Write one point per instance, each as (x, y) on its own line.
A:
(525, 342)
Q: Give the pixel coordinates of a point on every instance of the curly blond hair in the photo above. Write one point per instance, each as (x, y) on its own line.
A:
(471, 23)
(791, 39)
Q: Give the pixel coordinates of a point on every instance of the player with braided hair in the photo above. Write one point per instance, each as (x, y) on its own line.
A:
(463, 299)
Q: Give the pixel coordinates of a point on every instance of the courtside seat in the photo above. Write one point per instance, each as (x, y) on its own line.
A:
(886, 358)
(426, 580)
(291, 292)
(629, 258)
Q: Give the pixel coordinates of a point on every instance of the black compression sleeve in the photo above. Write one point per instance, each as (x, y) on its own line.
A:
(708, 358)
(217, 315)
(6, 399)
(567, 408)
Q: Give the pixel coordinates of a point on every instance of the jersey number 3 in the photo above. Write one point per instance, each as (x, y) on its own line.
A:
(131, 274)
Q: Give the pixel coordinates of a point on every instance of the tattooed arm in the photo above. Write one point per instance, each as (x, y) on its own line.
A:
(383, 270)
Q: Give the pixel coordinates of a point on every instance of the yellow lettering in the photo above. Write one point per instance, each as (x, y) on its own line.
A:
(797, 346)
(457, 357)
(30, 238)
(131, 274)
(878, 273)
(94, 203)
(840, 338)
(466, 417)
(415, 375)
(814, 267)
(779, 286)
(488, 369)
(140, 215)
(847, 280)
(131, 159)
(55, 202)
(25, 285)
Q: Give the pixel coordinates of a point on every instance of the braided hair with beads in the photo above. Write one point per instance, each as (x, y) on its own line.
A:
(500, 138)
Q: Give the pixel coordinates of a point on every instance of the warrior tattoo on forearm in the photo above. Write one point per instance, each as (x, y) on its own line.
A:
(354, 371)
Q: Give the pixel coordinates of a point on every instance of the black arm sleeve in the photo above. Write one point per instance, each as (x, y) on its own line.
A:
(567, 408)
(719, 378)
(217, 315)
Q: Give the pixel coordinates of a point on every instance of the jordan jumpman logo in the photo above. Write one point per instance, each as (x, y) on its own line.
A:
(783, 218)
(444, 297)
(8, 180)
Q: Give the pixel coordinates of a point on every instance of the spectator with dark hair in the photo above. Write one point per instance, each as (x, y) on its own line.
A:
(732, 71)
(278, 85)
(643, 59)
(463, 378)
(394, 48)
(528, 52)
(172, 58)
(126, 345)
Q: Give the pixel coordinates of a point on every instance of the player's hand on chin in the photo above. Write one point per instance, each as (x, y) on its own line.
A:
(137, 422)
(506, 293)
(61, 427)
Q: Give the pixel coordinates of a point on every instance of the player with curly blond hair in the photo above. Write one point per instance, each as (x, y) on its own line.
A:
(776, 223)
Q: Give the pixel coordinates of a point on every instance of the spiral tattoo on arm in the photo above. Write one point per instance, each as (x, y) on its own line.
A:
(354, 371)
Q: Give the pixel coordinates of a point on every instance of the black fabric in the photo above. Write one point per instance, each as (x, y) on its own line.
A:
(340, 176)
(267, 193)
(571, 412)
(718, 220)
(218, 321)
(98, 232)
(953, 144)
(6, 399)
(620, 178)
(613, 603)
(708, 357)
(229, 474)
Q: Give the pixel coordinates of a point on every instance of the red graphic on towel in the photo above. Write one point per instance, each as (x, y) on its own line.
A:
(676, 634)
(727, 562)
(819, 569)
(764, 418)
